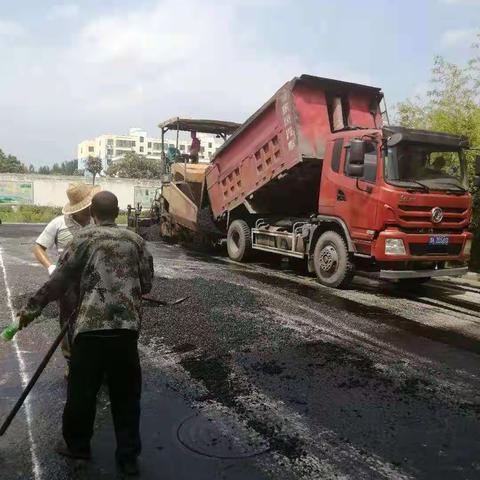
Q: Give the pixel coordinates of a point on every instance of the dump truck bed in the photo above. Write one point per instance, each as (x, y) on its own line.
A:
(273, 162)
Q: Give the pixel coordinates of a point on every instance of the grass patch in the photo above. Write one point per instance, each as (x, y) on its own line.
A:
(36, 214)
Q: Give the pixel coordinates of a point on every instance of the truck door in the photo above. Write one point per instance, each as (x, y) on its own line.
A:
(357, 200)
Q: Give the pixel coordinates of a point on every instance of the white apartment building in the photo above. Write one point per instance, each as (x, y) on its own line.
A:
(110, 147)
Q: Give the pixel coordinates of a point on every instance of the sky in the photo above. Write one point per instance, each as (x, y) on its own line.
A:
(73, 70)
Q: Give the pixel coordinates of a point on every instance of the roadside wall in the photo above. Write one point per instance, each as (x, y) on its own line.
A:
(49, 190)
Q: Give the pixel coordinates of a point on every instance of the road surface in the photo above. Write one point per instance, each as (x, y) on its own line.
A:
(263, 374)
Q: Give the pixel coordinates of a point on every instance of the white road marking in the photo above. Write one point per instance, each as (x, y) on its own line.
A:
(36, 470)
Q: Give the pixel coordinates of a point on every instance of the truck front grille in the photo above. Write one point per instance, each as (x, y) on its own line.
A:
(422, 214)
(422, 249)
(416, 208)
(425, 219)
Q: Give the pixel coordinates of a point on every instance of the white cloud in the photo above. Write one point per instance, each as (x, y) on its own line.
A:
(63, 11)
(205, 62)
(462, 37)
(9, 28)
(137, 67)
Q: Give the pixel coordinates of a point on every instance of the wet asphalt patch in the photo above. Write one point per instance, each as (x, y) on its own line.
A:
(216, 375)
(330, 300)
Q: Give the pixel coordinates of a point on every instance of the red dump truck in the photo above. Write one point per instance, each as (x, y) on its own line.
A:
(314, 174)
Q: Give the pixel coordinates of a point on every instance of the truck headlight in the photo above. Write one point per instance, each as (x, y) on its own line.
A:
(394, 246)
(467, 248)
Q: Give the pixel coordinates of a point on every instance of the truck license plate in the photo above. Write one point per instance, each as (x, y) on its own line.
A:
(438, 240)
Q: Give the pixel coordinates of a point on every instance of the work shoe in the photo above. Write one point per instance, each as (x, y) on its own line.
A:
(128, 466)
(63, 450)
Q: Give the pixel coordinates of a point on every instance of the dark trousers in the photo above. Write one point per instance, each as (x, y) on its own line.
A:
(113, 354)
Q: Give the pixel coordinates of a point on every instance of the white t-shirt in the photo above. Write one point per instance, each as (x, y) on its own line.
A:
(59, 232)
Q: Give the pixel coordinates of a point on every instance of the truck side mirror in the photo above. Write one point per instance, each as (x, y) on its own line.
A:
(357, 151)
(356, 159)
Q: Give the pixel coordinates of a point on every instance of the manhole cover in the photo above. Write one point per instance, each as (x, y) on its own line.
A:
(219, 438)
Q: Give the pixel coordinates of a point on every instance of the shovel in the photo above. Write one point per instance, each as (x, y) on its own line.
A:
(47, 358)
(164, 303)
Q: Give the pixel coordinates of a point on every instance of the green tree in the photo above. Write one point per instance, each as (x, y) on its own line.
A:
(94, 166)
(10, 164)
(135, 166)
(70, 167)
(452, 105)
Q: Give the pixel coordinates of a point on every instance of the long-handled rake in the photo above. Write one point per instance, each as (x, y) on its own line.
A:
(47, 357)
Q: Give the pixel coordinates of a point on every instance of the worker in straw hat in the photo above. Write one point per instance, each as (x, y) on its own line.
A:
(59, 233)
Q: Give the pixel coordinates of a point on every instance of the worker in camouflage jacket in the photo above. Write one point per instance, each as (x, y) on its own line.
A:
(111, 268)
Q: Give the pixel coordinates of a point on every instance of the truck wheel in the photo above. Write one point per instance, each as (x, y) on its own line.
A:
(332, 262)
(239, 242)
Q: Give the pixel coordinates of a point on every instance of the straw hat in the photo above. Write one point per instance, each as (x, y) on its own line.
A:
(79, 197)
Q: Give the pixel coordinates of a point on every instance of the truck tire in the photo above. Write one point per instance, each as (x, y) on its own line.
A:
(239, 242)
(332, 262)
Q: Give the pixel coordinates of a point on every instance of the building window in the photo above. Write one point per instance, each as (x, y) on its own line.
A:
(125, 143)
(182, 148)
(210, 145)
(141, 149)
(202, 149)
(149, 144)
(110, 142)
(142, 139)
(157, 146)
(90, 149)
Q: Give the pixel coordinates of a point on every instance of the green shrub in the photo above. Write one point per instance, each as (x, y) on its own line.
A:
(36, 214)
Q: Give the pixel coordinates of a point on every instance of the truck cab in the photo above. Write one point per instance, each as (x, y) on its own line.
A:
(402, 194)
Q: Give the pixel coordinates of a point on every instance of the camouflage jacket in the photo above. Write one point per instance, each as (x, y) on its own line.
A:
(111, 268)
